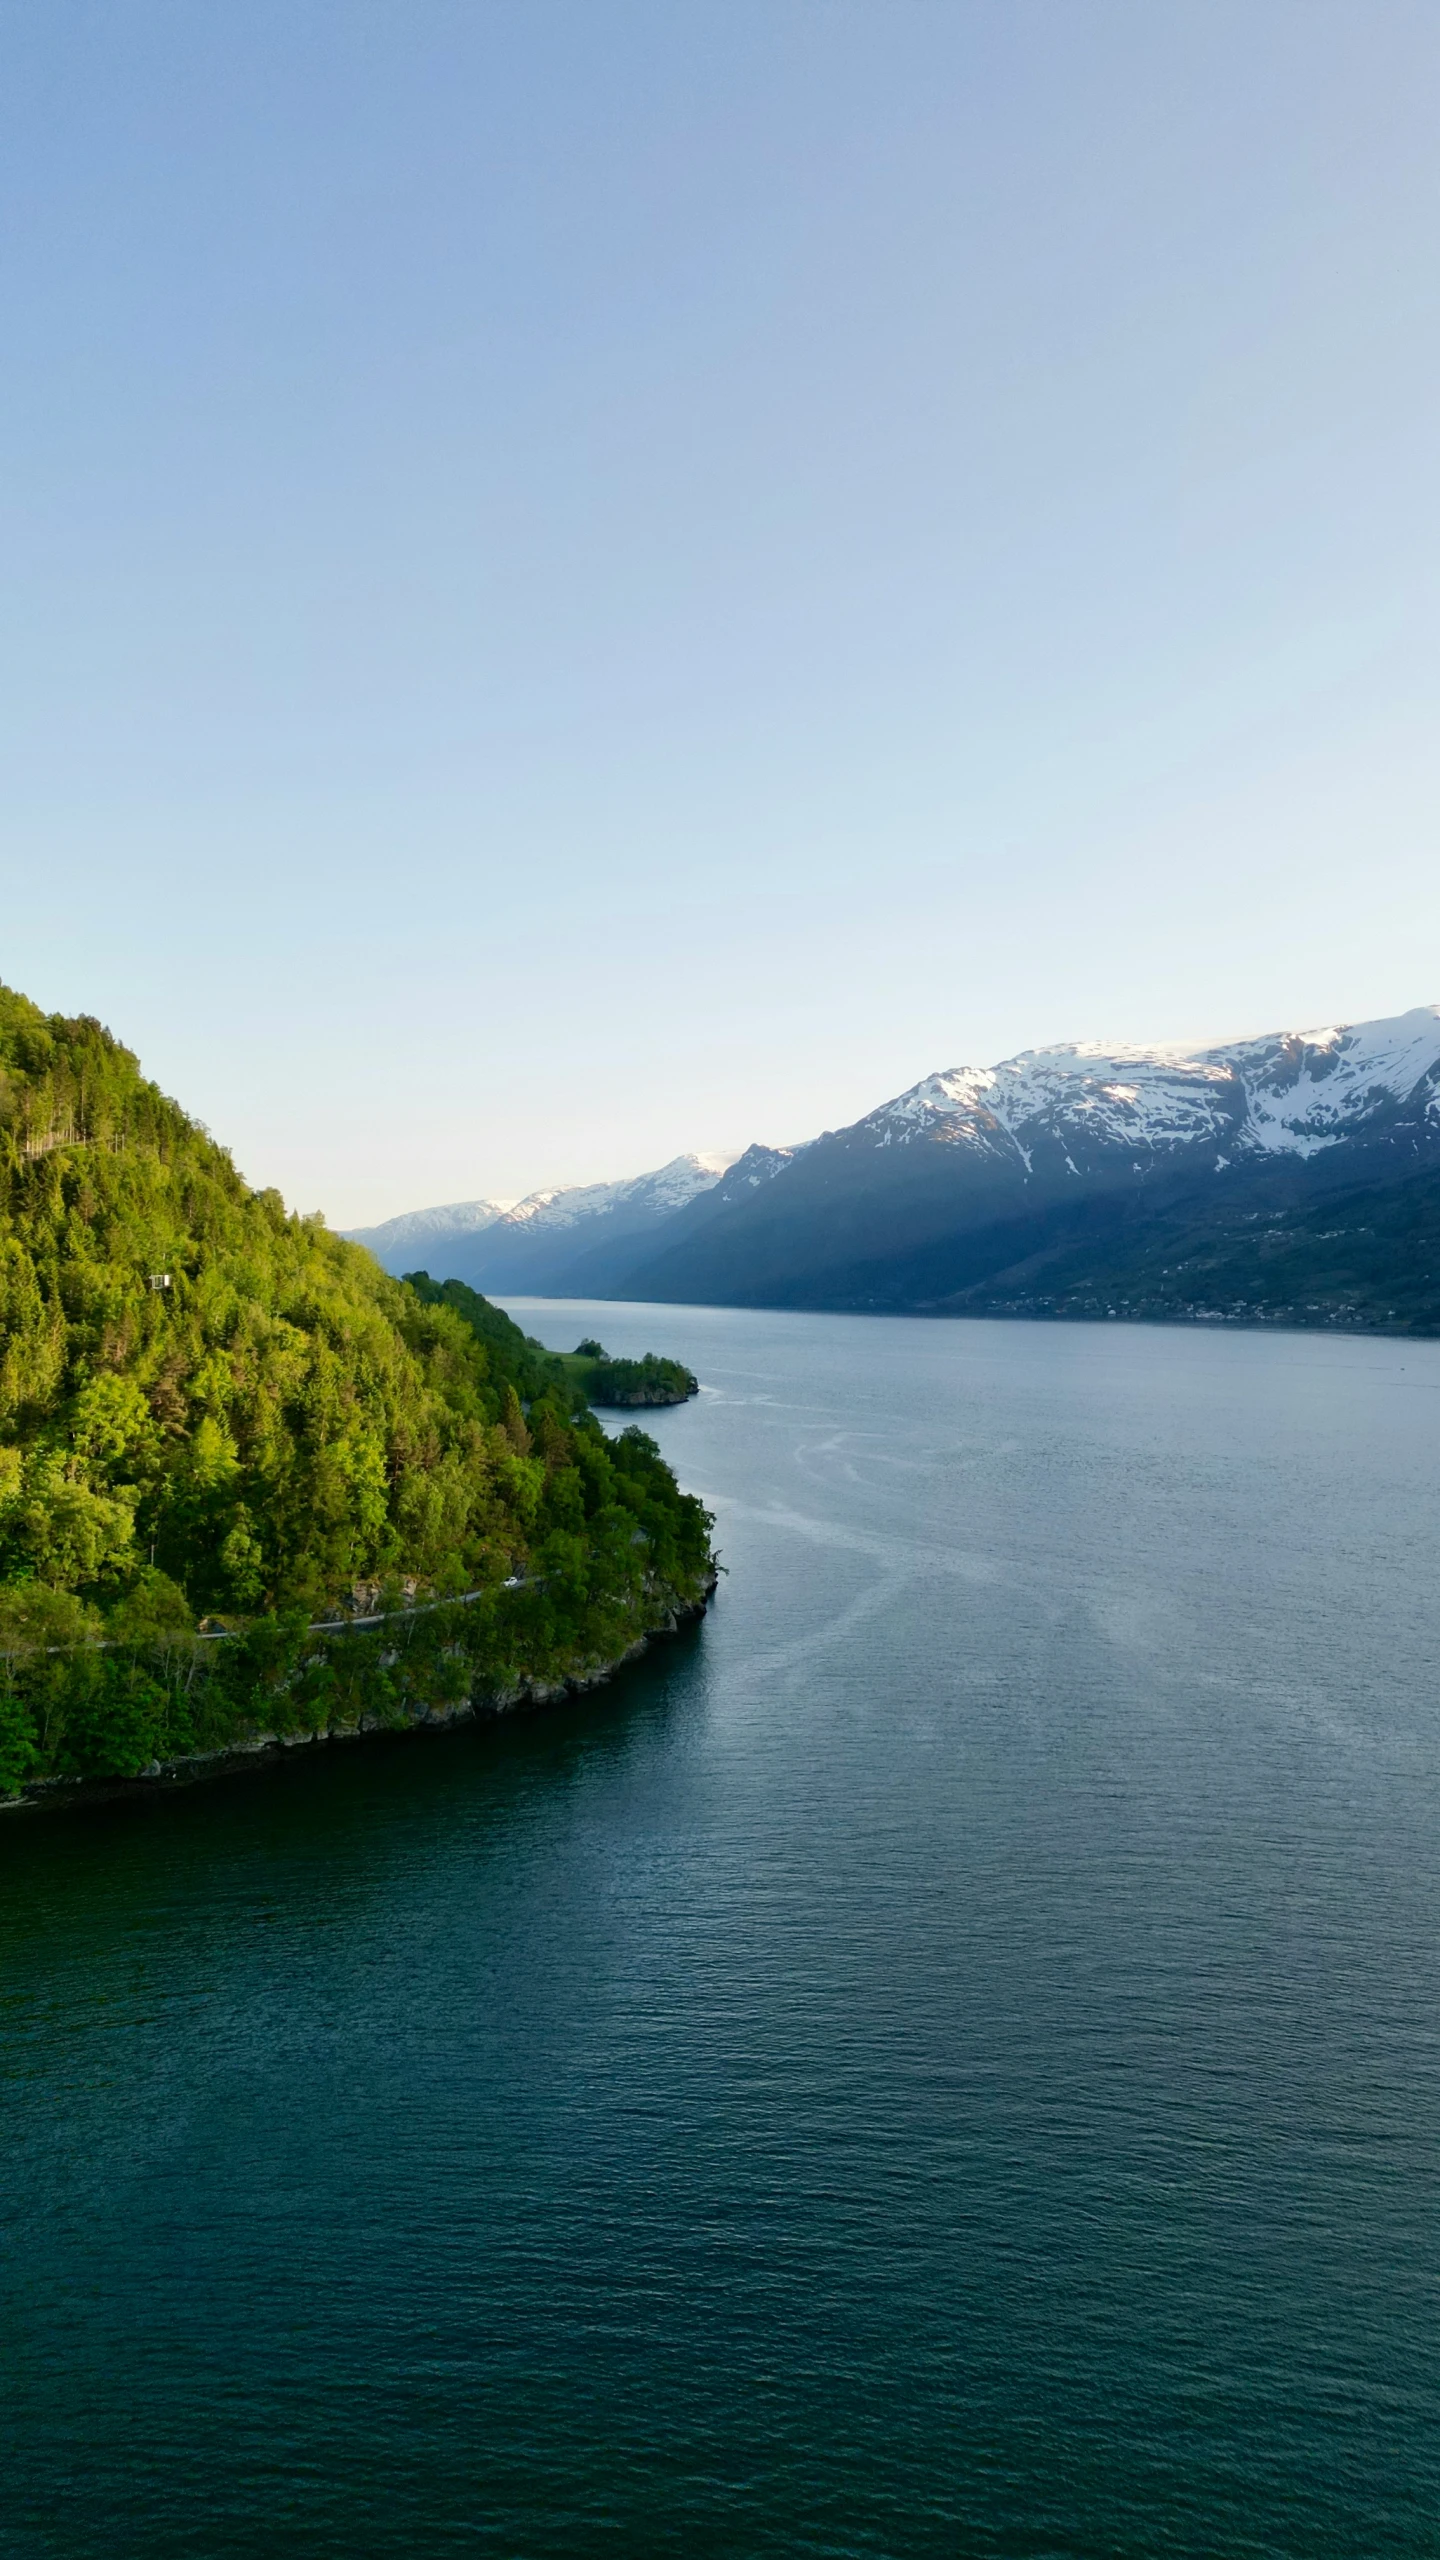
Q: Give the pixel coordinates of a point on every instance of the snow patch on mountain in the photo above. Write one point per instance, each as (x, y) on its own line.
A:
(758, 1165)
(428, 1226)
(1146, 1098)
(1309, 1089)
(1292, 1093)
(656, 1194)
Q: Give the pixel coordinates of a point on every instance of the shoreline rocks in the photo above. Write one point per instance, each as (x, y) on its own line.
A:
(62, 1794)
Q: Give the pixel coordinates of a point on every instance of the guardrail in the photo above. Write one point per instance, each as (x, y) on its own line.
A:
(383, 1617)
(316, 1627)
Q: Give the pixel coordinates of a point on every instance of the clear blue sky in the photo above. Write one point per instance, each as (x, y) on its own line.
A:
(584, 580)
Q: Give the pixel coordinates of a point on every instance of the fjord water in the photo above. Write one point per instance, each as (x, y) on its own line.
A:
(941, 2060)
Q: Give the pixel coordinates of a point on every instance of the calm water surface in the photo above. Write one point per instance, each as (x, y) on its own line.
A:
(942, 2061)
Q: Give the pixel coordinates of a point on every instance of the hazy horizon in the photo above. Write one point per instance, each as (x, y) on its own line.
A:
(588, 584)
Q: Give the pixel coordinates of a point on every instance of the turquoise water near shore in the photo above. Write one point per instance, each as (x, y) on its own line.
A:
(942, 2059)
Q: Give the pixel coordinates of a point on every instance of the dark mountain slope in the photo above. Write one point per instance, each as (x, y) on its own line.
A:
(825, 1230)
(1364, 1254)
(1355, 1243)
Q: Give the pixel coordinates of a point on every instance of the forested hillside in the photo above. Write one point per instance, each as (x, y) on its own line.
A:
(211, 1410)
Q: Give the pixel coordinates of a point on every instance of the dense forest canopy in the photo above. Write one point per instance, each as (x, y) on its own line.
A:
(590, 1371)
(210, 1407)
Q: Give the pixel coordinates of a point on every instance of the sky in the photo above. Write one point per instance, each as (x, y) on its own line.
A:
(590, 578)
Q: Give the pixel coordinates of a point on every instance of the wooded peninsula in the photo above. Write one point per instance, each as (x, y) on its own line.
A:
(252, 1487)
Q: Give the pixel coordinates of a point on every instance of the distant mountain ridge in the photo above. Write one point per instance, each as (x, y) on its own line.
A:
(1037, 1186)
(524, 1239)
(398, 1237)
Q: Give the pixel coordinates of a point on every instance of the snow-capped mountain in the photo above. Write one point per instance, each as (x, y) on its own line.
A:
(977, 1171)
(973, 1176)
(1291, 1094)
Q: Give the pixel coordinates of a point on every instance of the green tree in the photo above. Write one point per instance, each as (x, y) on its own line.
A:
(208, 1406)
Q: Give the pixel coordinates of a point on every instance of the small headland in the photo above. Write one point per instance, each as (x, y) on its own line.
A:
(255, 1491)
(618, 1384)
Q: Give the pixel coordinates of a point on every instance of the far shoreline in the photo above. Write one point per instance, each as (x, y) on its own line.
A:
(1202, 1321)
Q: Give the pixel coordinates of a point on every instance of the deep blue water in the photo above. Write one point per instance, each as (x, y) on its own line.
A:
(943, 2060)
